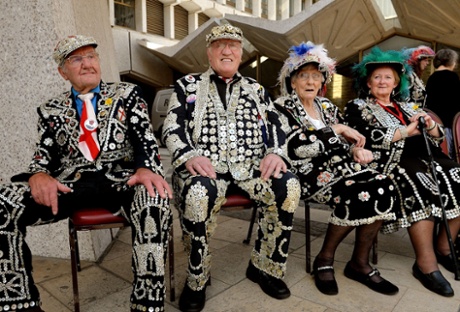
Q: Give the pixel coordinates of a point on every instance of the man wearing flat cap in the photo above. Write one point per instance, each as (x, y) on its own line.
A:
(224, 135)
(95, 149)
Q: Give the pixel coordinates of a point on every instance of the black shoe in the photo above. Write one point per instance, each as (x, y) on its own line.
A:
(327, 287)
(272, 286)
(191, 300)
(433, 281)
(446, 261)
(383, 287)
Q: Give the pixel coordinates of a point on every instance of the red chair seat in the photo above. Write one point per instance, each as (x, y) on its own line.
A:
(238, 200)
(93, 216)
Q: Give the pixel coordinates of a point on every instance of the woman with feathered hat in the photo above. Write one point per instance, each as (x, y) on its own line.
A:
(329, 159)
(391, 127)
(418, 59)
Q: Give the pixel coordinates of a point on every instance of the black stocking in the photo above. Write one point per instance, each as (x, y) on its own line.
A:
(365, 236)
(334, 236)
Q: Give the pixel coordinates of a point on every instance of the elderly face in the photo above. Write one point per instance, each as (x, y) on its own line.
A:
(382, 81)
(82, 69)
(225, 56)
(424, 62)
(307, 82)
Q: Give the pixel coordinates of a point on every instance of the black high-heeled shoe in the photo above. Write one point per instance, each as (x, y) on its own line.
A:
(327, 287)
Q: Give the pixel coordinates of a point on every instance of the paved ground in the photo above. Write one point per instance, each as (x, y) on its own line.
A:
(105, 286)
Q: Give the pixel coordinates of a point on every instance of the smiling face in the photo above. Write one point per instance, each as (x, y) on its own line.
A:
(307, 82)
(225, 57)
(382, 81)
(84, 75)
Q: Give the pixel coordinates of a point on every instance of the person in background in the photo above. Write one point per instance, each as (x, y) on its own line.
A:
(442, 90)
(391, 127)
(223, 132)
(330, 161)
(418, 58)
(95, 149)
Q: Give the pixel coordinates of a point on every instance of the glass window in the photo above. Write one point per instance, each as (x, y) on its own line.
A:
(155, 18)
(180, 22)
(231, 3)
(387, 9)
(124, 13)
(264, 8)
(248, 6)
(202, 18)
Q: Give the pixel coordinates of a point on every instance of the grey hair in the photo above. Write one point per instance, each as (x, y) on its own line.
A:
(445, 57)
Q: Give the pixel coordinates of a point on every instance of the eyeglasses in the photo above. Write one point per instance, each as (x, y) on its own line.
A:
(220, 45)
(306, 76)
(77, 60)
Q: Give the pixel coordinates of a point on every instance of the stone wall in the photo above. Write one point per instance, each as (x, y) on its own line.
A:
(29, 30)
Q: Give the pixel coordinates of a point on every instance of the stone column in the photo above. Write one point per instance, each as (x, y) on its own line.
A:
(271, 10)
(29, 32)
(283, 5)
(168, 14)
(297, 6)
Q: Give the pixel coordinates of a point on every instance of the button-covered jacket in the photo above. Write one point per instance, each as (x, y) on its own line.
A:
(235, 136)
(124, 133)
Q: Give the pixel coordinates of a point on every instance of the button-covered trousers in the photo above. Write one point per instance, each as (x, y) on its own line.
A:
(199, 200)
(150, 219)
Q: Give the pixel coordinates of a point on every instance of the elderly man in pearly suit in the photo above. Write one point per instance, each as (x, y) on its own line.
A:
(223, 132)
(95, 148)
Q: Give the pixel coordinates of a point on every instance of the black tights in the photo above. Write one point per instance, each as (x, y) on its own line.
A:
(365, 236)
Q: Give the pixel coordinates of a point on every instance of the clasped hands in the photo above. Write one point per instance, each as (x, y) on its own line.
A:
(271, 165)
(360, 154)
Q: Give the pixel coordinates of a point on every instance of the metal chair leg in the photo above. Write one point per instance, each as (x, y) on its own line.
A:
(307, 238)
(172, 284)
(75, 264)
(251, 225)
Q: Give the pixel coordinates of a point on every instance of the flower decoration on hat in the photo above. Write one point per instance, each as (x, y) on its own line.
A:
(301, 55)
(225, 31)
(378, 58)
(414, 55)
(67, 45)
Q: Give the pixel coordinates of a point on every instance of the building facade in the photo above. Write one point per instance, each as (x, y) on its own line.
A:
(153, 33)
